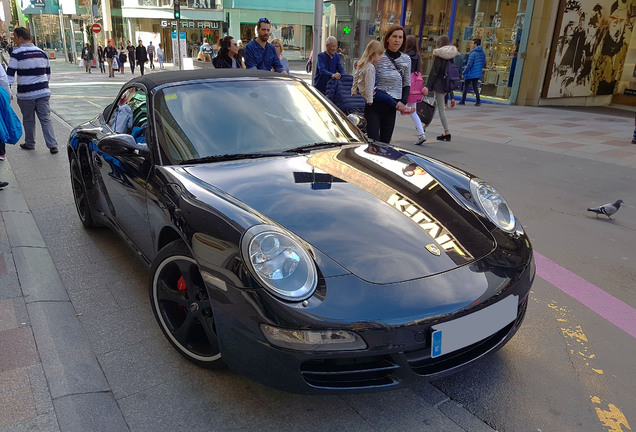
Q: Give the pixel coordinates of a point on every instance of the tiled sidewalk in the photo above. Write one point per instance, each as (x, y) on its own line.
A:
(593, 133)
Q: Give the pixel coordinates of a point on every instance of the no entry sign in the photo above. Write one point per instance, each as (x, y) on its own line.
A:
(96, 28)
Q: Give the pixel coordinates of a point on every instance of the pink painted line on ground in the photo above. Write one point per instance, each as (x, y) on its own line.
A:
(609, 307)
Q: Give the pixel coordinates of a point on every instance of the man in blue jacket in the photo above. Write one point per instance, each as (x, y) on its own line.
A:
(260, 54)
(473, 71)
(328, 66)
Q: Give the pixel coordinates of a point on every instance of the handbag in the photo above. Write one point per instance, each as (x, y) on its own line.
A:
(425, 110)
(81, 63)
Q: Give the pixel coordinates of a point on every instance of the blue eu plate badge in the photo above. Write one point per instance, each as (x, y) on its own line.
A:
(436, 351)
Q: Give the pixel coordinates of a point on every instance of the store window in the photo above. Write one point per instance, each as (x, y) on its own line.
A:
(497, 23)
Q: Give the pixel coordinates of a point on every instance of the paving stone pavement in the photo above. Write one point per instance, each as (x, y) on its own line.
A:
(63, 364)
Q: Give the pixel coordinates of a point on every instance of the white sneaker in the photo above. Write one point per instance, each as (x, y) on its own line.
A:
(420, 139)
(2, 157)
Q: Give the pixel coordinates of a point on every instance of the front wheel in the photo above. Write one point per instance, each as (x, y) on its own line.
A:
(80, 195)
(181, 305)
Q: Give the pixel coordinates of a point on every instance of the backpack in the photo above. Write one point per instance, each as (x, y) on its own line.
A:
(417, 87)
(452, 80)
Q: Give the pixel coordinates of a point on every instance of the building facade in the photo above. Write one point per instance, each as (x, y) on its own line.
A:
(538, 52)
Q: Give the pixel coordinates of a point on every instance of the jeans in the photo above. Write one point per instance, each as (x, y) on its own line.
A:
(2, 148)
(141, 67)
(474, 82)
(150, 58)
(380, 121)
(102, 68)
(30, 108)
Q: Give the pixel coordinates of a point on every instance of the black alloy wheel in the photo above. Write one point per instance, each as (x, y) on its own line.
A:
(80, 195)
(181, 305)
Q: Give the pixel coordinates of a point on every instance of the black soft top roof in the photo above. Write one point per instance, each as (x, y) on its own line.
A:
(153, 80)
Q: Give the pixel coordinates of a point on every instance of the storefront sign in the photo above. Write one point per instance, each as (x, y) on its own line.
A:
(191, 24)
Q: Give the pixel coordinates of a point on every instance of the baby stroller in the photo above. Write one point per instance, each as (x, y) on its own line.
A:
(339, 92)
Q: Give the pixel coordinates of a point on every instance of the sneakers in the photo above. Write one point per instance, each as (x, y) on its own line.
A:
(461, 103)
(26, 147)
(53, 150)
(420, 139)
(478, 104)
(2, 157)
(3, 185)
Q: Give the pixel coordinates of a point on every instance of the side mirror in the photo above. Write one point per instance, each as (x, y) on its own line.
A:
(361, 122)
(122, 145)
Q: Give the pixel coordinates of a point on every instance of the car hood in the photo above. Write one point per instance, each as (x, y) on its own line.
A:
(369, 208)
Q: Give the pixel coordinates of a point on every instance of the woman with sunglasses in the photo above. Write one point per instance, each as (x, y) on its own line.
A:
(227, 57)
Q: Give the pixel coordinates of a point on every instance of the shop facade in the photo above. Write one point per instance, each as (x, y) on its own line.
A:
(499, 24)
(291, 21)
(538, 52)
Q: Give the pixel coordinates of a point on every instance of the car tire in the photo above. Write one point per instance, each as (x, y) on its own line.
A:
(80, 195)
(181, 305)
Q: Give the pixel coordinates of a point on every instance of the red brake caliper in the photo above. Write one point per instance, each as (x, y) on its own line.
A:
(181, 285)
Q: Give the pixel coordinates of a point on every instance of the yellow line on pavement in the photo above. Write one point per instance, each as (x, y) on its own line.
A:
(81, 97)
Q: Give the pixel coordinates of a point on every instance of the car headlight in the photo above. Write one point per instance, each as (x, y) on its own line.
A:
(313, 340)
(280, 262)
(494, 204)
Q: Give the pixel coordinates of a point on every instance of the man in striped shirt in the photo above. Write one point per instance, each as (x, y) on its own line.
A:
(34, 72)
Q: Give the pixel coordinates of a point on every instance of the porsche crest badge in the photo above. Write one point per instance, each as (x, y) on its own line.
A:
(433, 249)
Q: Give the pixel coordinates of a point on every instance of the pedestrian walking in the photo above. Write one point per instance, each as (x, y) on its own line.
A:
(206, 52)
(141, 54)
(4, 83)
(101, 57)
(150, 49)
(459, 59)
(260, 54)
(443, 53)
(227, 56)
(278, 44)
(87, 56)
(33, 70)
(160, 56)
(394, 78)
(111, 54)
(329, 65)
(418, 91)
(121, 59)
(474, 70)
(130, 50)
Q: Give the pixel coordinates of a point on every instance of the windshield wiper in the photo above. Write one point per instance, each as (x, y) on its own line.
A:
(226, 157)
(307, 148)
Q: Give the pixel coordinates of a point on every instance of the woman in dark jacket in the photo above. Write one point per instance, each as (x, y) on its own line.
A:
(444, 53)
(228, 57)
(122, 58)
(101, 56)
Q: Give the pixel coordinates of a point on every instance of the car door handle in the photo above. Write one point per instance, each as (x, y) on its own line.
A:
(97, 160)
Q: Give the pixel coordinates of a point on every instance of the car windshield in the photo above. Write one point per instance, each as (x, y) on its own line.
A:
(222, 118)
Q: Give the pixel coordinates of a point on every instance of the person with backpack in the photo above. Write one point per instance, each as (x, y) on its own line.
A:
(418, 91)
(474, 70)
(443, 78)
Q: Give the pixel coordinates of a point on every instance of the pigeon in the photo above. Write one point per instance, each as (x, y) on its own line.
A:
(607, 209)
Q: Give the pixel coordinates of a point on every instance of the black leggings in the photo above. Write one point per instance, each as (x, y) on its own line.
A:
(380, 119)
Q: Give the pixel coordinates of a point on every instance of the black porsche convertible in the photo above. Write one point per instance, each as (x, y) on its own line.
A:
(283, 243)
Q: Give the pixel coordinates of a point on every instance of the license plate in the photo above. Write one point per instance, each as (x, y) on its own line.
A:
(462, 332)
